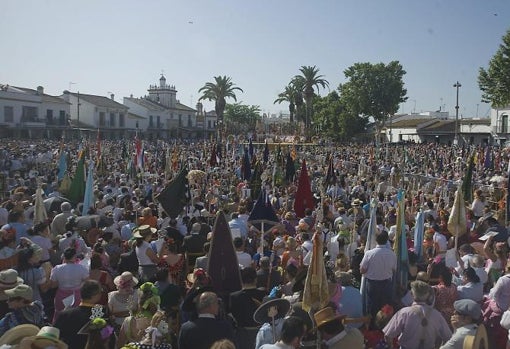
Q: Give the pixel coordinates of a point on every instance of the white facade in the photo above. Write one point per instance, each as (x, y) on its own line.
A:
(500, 124)
(31, 112)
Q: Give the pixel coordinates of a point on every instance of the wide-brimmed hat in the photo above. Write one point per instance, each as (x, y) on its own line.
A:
(9, 278)
(21, 291)
(356, 202)
(14, 335)
(326, 315)
(143, 231)
(47, 336)
(197, 274)
(271, 309)
(123, 278)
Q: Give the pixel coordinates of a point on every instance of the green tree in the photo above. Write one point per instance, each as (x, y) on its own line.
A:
(242, 117)
(334, 120)
(374, 90)
(289, 95)
(218, 91)
(307, 82)
(495, 81)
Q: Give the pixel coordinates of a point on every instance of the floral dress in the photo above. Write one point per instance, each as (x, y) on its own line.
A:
(445, 296)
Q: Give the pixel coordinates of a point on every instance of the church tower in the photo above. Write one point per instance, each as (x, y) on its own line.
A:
(163, 94)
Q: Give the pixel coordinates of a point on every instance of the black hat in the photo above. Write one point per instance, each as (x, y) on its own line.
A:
(263, 312)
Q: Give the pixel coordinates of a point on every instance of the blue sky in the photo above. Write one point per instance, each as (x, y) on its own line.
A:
(122, 46)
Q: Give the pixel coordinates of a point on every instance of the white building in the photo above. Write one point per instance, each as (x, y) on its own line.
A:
(31, 113)
(91, 112)
(164, 115)
(500, 127)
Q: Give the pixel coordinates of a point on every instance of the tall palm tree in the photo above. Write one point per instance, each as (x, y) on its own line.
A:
(288, 95)
(219, 91)
(308, 81)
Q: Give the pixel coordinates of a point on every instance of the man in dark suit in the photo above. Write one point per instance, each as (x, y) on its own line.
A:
(267, 277)
(193, 244)
(71, 320)
(242, 306)
(206, 329)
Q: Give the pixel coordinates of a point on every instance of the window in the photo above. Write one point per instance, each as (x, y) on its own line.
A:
(29, 114)
(158, 121)
(8, 114)
(151, 121)
(102, 119)
(122, 121)
(504, 123)
(180, 120)
(112, 120)
(62, 117)
(189, 121)
(49, 115)
(208, 123)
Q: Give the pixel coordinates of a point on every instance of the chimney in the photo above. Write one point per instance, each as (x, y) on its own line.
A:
(112, 96)
(40, 90)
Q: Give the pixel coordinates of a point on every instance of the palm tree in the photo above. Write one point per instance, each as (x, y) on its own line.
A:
(219, 91)
(288, 95)
(308, 81)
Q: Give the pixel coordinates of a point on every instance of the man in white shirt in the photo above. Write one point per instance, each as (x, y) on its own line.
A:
(378, 265)
(243, 258)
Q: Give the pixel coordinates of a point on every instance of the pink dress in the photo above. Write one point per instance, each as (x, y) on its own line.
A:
(445, 296)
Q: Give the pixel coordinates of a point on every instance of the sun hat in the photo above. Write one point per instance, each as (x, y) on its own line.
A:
(143, 231)
(275, 308)
(22, 291)
(326, 315)
(16, 334)
(124, 278)
(9, 278)
(47, 336)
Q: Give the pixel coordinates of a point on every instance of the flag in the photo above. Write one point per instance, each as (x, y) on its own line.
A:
(370, 243)
(139, 153)
(175, 195)
(263, 216)
(62, 164)
(290, 169)
(213, 162)
(304, 198)
(487, 161)
(250, 149)
(77, 188)
(457, 220)
(88, 197)
(419, 232)
(266, 152)
(222, 266)
(98, 150)
(330, 175)
(316, 283)
(400, 246)
(40, 214)
(245, 166)
(468, 179)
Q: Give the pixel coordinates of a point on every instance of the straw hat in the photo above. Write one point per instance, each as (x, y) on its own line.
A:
(356, 202)
(143, 231)
(325, 316)
(22, 291)
(273, 308)
(123, 278)
(14, 335)
(46, 337)
(9, 278)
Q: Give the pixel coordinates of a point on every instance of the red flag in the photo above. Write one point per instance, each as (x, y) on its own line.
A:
(304, 198)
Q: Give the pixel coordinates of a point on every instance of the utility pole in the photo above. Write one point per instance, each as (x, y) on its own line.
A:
(455, 140)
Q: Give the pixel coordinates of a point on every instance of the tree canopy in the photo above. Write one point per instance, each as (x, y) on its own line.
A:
(218, 91)
(307, 82)
(373, 90)
(241, 116)
(495, 81)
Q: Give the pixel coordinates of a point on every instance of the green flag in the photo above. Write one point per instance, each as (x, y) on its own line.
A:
(77, 189)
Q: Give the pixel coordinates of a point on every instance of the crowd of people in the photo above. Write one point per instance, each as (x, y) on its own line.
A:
(128, 274)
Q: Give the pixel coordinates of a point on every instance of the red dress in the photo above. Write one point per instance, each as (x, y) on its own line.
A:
(175, 270)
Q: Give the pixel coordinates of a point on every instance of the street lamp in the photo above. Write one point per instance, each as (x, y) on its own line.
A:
(455, 140)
